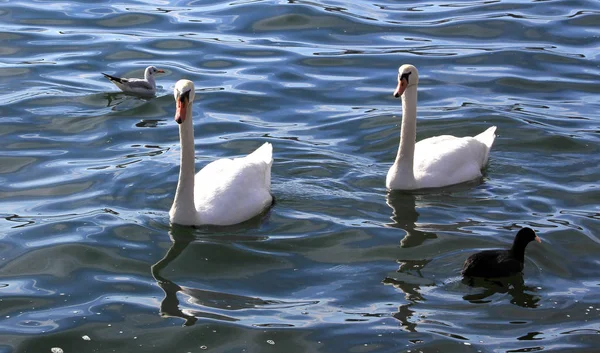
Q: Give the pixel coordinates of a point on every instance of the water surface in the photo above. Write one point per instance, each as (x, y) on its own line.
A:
(90, 262)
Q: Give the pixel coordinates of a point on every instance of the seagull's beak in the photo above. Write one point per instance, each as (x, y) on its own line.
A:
(402, 84)
(160, 71)
(538, 239)
(181, 110)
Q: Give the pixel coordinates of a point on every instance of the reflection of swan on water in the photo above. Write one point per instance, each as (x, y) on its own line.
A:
(170, 304)
(408, 278)
(410, 284)
(203, 298)
(405, 217)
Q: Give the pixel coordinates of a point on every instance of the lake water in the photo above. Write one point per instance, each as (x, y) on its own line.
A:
(90, 263)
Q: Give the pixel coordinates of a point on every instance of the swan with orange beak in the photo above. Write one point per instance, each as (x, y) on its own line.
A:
(435, 161)
(224, 192)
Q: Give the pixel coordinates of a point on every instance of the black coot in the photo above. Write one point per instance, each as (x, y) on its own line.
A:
(500, 263)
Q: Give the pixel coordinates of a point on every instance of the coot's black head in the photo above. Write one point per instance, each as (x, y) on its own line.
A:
(525, 236)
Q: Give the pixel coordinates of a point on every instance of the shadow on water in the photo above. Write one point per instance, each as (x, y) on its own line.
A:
(151, 108)
(170, 304)
(409, 280)
(115, 99)
(514, 286)
(404, 209)
(111, 99)
(415, 283)
(209, 304)
(405, 217)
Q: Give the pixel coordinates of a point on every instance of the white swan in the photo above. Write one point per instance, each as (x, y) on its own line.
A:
(436, 161)
(226, 191)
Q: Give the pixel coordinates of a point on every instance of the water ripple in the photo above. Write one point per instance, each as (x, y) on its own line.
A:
(338, 264)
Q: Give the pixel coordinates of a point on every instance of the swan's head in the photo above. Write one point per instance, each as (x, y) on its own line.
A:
(184, 96)
(151, 71)
(407, 76)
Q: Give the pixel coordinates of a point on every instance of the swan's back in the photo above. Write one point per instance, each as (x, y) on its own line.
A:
(487, 138)
(447, 160)
(230, 191)
(265, 154)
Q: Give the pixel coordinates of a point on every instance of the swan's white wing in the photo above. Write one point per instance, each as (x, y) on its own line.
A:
(230, 191)
(447, 160)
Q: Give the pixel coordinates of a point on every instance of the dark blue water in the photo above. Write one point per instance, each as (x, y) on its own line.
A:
(90, 263)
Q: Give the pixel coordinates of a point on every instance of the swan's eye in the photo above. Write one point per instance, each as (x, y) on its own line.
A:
(405, 76)
(185, 96)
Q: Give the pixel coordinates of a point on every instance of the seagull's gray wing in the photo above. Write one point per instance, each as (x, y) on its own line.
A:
(137, 84)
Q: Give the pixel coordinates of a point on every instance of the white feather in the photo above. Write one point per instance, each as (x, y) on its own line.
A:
(224, 192)
(230, 191)
(437, 161)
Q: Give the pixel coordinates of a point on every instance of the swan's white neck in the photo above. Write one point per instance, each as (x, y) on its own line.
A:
(406, 152)
(183, 210)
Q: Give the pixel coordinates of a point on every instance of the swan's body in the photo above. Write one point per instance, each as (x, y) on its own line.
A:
(436, 161)
(224, 192)
(145, 86)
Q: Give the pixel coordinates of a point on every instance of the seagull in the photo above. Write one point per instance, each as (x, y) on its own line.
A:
(145, 86)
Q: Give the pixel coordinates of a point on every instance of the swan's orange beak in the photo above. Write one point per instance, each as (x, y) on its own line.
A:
(181, 111)
(538, 239)
(402, 84)
(160, 71)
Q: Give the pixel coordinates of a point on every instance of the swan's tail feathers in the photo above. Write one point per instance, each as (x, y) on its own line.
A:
(263, 153)
(487, 137)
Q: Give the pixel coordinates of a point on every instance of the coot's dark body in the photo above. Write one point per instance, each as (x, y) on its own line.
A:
(500, 263)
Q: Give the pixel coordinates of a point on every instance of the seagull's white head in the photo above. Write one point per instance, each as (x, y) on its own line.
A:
(408, 75)
(151, 71)
(184, 96)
